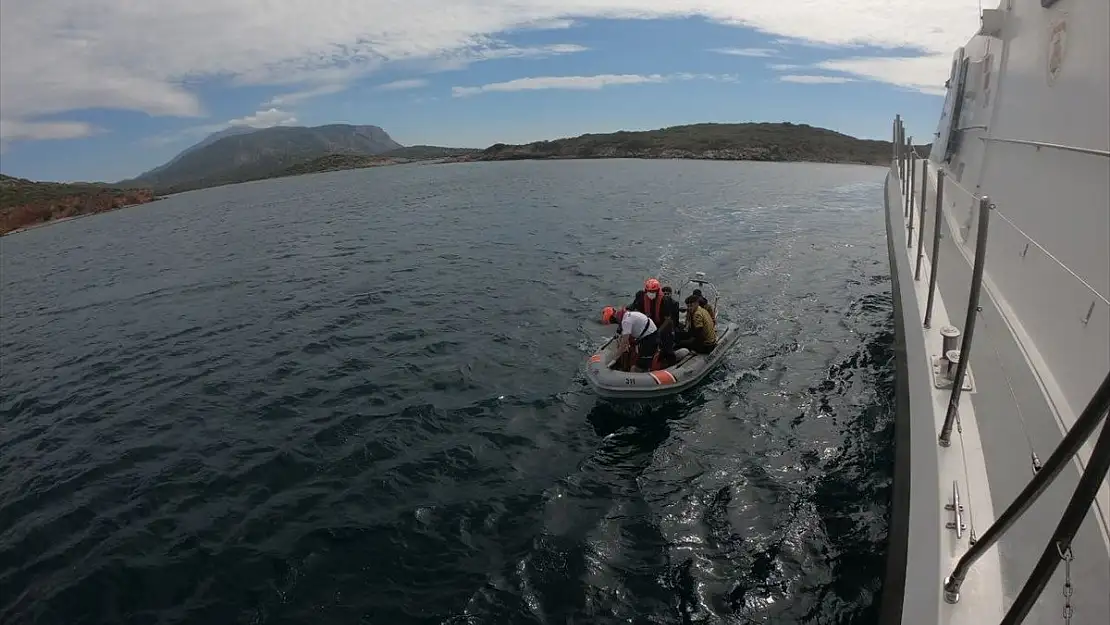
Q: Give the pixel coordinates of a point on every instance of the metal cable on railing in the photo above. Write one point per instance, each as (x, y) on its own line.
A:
(1050, 255)
(1034, 459)
(974, 196)
(967, 481)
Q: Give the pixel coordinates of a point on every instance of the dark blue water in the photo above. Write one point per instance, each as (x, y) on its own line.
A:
(358, 398)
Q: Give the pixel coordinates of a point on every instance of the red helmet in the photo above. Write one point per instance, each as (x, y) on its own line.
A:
(651, 284)
(607, 315)
(612, 315)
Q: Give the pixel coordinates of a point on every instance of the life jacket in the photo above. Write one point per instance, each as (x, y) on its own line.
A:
(653, 308)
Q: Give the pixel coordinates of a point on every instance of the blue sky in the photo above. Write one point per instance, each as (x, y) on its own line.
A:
(459, 73)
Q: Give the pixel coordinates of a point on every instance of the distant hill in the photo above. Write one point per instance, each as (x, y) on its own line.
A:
(421, 152)
(333, 162)
(251, 155)
(338, 162)
(24, 203)
(209, 140)
(750, 141)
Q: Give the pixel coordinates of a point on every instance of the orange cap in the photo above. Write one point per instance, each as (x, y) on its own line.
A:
(607, 314)
(651, 284)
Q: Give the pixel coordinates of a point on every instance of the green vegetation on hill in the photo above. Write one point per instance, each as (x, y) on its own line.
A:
(25, 203)
(240, 155)
(257, 154)
(338, 162)
(333, 162)
(422, 152)
(751, 141)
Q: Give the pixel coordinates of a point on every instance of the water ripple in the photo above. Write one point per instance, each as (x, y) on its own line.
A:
(299, 401)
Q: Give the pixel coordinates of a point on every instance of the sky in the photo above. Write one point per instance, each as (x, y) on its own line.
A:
(107, 89)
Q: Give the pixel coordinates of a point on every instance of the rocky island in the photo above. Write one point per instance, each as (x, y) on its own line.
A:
(729, 142)
(25, 203)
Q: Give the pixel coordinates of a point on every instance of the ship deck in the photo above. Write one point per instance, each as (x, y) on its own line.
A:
(1005, 418)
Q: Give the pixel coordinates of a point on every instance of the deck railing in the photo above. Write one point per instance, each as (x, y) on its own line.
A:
(906, 164)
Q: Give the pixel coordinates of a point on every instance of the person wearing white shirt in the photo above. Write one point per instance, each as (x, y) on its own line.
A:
(639, 331)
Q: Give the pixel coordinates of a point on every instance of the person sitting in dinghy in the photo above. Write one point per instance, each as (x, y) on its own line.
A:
(702, 337)
(637, 332)
(705, 304)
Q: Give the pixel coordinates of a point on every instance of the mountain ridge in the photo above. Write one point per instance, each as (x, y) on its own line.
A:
(238, 156)
(230, 131)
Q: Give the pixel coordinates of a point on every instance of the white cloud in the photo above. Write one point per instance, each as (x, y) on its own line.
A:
(785, 67)
(264, 119)
(17, 130)
(259, 119)
(401, 85)
(581, 83)
(809, 43)
(755, 52)
(925, 74)
(815, 80)
(463, 58)
(298, 96)
(67, 55)
(559, 82)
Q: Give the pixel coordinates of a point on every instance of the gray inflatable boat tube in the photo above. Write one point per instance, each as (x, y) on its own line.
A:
(690, 369)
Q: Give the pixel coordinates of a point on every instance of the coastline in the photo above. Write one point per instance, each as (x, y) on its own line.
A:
(651, 157)
(477, 157)
(51, 222)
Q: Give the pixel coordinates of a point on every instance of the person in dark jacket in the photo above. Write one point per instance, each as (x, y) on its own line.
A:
(649, 301)
(656, 302)
(670, 327)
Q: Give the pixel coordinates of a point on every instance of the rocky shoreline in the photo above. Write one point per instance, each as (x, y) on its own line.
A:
(761, 155)
(28, 205)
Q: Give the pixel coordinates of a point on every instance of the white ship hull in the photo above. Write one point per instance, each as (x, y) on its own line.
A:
(1026, 124)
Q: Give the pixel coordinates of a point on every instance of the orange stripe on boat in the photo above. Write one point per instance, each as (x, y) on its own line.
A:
(595, 358)
(663, 376)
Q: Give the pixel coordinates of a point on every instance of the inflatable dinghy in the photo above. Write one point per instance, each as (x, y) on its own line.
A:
(690, 369)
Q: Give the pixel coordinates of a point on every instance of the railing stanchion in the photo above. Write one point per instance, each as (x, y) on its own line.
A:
(1084, 426)
(911, 162)
(909, 236)
(894, 141)
(902, 154)
(945, 438)
(934, 261)
(902, 158)
(909, 167)
(921, 219)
